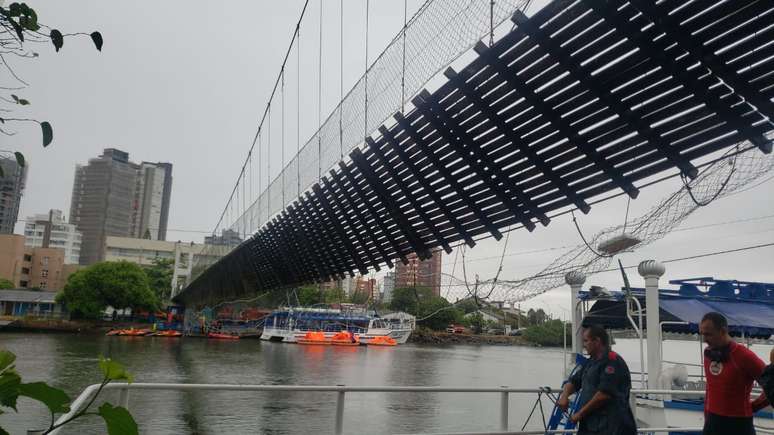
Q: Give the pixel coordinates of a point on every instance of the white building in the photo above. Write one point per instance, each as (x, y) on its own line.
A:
(144, 252)
(52, 231)
(151, 201)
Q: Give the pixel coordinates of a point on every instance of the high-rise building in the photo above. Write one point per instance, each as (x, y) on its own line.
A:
(52, 231)
(11, 188)
(114, 197)
(420, 273)
(388, 286)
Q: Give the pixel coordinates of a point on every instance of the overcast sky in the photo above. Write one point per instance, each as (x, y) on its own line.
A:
(186, 82)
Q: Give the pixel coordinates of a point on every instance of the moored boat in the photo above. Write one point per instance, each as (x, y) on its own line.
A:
(167, 333)
(222, 336)
(345, 338)
(381, 340)
(131, 332)
(313, 337)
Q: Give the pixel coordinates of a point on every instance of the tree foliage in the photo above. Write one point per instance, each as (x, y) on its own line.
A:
(118, 420)
(18, 26)
(433, 312)
(160, 277)
(117, 284)
(548, 333)
(5, 284)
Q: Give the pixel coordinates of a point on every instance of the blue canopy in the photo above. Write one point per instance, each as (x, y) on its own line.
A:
(748, 318)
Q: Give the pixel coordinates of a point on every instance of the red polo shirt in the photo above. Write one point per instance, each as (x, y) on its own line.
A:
(729, 383)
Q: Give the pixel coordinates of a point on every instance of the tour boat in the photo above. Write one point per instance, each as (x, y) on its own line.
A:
(291, 324)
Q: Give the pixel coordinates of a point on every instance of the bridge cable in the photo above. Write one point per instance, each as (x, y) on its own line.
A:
(365, 124)
(341, 80)
(268, 168)
(263, 117)
(298, 113)
(319, 98)
(491, 22)
(403, 70)
(282, 123)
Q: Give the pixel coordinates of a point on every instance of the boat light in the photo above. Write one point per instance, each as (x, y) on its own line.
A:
(618, 244)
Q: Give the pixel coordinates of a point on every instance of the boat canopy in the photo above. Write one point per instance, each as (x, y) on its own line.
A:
(748, 306)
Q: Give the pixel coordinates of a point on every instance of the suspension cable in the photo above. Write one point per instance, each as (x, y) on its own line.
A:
(263, 117)
(319, 98)
(403, 70)
(298, 114)
(341, 80)
(365, 126)
(282, 124)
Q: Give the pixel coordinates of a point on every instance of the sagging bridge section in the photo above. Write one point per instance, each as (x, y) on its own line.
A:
(581, 101)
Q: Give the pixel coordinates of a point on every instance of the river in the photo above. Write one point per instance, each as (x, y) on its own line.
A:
(70, 362)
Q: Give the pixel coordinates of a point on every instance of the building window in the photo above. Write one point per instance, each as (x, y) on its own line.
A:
(43, 284)
(23, 284)
(27, 257)
(44, 273)
(45, 261)
(25, 270)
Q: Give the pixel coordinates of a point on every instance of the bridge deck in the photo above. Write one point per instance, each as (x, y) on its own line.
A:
(582, 99)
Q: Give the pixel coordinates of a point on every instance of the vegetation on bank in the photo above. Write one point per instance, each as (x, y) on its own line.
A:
(548, 333)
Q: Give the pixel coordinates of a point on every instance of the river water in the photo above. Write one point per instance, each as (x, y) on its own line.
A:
(70, 362)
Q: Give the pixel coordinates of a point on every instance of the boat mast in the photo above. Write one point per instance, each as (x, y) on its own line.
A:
(575, 280)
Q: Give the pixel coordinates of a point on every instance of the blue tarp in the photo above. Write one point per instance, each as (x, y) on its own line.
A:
(750, 318)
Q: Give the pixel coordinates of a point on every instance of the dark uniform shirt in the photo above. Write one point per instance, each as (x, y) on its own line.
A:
(610, 375)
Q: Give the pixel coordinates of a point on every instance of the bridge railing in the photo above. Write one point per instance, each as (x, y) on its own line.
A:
(504, 393)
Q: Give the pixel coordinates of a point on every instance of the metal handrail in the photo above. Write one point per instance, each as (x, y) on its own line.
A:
(341, 390)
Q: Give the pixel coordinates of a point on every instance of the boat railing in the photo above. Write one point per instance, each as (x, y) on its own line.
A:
(503, 392)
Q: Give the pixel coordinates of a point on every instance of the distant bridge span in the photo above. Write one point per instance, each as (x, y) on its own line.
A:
(578, 102)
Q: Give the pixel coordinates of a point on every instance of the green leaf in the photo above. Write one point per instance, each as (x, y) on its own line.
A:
(20, 159)
(15, 98)
(6, 359)
(57, 39)
(15, 9)
(3, 432)
(118, 420)
(24, 102)
(9, 388)
(19, 30)
(113, 370)
(97, 38)
(48, 133)
(55, 399)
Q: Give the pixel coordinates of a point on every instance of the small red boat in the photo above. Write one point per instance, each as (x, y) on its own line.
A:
(382, 340)
(113, 332)
(313, 337)
(221, 336)
(131, 332)
(345, 338)
(167, 333)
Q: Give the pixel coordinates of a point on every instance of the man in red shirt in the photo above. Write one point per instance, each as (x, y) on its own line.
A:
(730, 369)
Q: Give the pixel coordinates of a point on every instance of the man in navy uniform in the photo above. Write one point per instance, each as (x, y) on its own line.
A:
(604, 383)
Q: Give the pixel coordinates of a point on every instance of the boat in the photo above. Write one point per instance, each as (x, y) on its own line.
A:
(382, 340)
(749, 307)
(113, 332)
(131, 332)
(222, 336)
(167, 333)
(313, 337)
(288, 325)
(345, 338)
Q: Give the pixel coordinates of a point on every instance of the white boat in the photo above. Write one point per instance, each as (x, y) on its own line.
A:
(289, 324)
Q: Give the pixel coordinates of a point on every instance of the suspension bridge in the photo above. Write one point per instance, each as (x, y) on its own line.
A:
(547, 113)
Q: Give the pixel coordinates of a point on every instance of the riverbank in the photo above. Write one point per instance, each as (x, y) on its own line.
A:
(427, 336)
(35, 324)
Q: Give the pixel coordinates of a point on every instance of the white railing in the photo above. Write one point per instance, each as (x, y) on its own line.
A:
(341, 390)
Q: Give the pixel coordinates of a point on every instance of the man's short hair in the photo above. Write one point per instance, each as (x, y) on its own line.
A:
(718, 320)
(597, 331)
